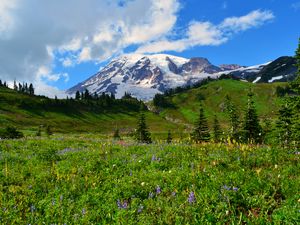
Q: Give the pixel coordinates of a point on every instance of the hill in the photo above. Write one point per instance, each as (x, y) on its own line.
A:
(29, 112)
(183, 106)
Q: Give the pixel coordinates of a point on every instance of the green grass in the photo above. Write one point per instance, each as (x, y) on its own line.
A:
(29, 112)
(78, 179)
(214, 93)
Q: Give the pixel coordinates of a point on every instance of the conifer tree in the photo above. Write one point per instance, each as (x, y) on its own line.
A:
(217, 133)
(142, 134)
(234, 119)
(77, 95)
(201, 130)
(15, 86)
(49, 130)
(169, 138)
(284, 125)
(116, 135)
(251, 127)
(31, 89)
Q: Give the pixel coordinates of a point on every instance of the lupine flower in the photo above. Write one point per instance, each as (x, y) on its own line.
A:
(121, 205)
(83, 211)
(226, 188)
(61, 197)
(151, 195)
(140, 209)
(32, 208)
(158, 190)
(235, 188)
(192, 198)
(173, 193)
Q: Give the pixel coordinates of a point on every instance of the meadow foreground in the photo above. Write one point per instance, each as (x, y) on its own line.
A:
(83, 179)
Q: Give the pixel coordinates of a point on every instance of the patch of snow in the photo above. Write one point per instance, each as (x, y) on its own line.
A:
(256, 80)
(275, 78)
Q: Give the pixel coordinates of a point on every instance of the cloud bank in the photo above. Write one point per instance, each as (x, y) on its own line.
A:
(35, 34)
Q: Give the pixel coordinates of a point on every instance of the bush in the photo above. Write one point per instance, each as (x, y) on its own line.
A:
(11, 133)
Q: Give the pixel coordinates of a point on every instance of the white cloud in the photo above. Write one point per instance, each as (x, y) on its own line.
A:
(208, 34)
(296, 6)
(33, 33)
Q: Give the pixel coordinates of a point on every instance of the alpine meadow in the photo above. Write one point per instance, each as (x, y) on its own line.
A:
(157, 134)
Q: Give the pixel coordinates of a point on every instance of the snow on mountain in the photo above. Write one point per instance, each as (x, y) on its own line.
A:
(143, 76)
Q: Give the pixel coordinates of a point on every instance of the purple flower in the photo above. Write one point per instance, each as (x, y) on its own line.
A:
(83, 211)
(226, 188)
(235, 188)
(153, 158)
(61, 197)
(192, 198)
(173, 193)
(151, 195)
(140, 209)
(158, 190)
(122, 205)
(32, 208)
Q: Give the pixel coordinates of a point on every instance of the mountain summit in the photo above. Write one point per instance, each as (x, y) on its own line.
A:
(145, 75)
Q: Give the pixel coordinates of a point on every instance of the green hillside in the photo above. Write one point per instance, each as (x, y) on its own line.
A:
(29, 112)
(184, 106)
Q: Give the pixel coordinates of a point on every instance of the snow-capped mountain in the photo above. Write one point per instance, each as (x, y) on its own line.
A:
(143, 76)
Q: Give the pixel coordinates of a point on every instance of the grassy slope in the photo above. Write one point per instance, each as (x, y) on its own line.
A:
(70, 118)
(214, 93)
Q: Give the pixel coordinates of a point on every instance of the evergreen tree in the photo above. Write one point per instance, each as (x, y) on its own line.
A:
(169, 138)
(217, 133)
(77, 95)
(31, 89)
(49, 130)
(142, 134)
(39, 132)
(1, 83)
(233, 118)
(116, 135)
(201, 130)
(251, 127)
(284, 125)
(15, 86)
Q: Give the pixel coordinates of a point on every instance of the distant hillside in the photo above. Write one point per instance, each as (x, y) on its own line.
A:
(28, 112)
(184, 106)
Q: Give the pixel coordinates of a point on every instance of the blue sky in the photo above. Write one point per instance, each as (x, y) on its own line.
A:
(63, 43)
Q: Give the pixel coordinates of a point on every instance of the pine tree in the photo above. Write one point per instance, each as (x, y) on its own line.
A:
(77, 95)
(142, 134)
(31, 89)
(15, 86)
(233, 119)
(116, 135)
(49, 130)
(217, 133)
(201, 130)
(169, 138)
(251, 127)
(284, 125)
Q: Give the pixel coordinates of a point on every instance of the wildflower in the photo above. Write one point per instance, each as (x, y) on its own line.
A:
(122, 205)
(53, 202)
(140, 209)
(143, 183)
(83, 211)
(32, 208)
(192, 198)
(130, 174)
(158, 190)
(226, 188)
(153, 158)
(276, 166)
(235, 188)
(151, 195)
(173, 193)
(61, 197)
